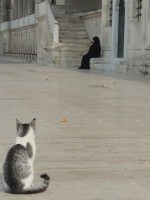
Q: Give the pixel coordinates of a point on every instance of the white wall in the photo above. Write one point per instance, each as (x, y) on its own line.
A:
(75, 6)
(60, 2)
(92, 21)
(137, 35)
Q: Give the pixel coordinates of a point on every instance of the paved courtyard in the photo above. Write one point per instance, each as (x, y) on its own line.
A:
(92, 130)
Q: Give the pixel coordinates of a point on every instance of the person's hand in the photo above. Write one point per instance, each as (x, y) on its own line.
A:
(92, 42)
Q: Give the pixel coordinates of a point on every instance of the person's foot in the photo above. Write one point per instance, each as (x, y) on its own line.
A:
(83, 68)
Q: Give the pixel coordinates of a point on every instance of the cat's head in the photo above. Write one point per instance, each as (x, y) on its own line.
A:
(24, 129)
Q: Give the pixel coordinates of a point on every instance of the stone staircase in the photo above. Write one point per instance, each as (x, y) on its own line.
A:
(74, 40)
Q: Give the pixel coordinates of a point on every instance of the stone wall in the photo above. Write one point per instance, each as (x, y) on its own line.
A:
(93, 22)
(44, 37)
(77, 6)
(136, 34)
(106, 32)
(46, 53)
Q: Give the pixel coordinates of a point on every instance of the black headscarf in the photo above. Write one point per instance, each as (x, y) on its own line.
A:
(95, 49)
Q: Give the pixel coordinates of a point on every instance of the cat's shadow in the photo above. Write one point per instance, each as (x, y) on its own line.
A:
(1, 183)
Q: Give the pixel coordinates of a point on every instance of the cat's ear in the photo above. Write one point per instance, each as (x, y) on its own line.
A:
(32, 123)
(18, 126)
(18, 123)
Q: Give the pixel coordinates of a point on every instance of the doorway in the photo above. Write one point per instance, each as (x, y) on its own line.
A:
(121, 26)
(53, 2)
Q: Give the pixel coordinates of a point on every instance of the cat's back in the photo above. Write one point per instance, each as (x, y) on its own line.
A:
(17, 151)
(13, 168)
(16, 157)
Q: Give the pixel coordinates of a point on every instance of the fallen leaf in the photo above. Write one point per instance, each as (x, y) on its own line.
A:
(64, 120)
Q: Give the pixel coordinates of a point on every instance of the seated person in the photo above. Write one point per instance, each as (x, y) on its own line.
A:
(94, 52)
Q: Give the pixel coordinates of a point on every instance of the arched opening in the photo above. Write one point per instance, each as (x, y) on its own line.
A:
(121, 25)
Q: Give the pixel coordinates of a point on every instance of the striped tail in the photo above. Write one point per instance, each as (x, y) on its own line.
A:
(37, 189)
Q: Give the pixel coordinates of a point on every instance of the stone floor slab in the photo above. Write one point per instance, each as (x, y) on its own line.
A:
(92, 134)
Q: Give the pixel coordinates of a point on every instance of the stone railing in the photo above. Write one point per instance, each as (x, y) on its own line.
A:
(19, 38)
(53, 23)
(44, 10)
(23, 43)
(18, 23)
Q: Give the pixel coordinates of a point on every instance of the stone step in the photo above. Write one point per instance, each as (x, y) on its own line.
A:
(107, 67)
(68, 20)
(74, 49)
(71, 28)
(75, 40)
(73, 37)
(75, 45)
(72, 56)
(73, 21)
(67, 32)
(71, 24)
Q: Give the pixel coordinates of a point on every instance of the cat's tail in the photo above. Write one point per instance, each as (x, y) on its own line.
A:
(38, 189)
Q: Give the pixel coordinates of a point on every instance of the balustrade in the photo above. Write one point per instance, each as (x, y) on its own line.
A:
(22, 43)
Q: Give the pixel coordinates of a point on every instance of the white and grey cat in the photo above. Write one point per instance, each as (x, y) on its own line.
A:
(18, 169)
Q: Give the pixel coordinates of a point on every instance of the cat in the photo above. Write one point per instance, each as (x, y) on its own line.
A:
(18, 166)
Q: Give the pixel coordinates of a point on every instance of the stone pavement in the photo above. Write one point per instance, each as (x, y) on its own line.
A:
(92, 135)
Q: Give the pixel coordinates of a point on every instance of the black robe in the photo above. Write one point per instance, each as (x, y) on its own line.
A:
(94, 52)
